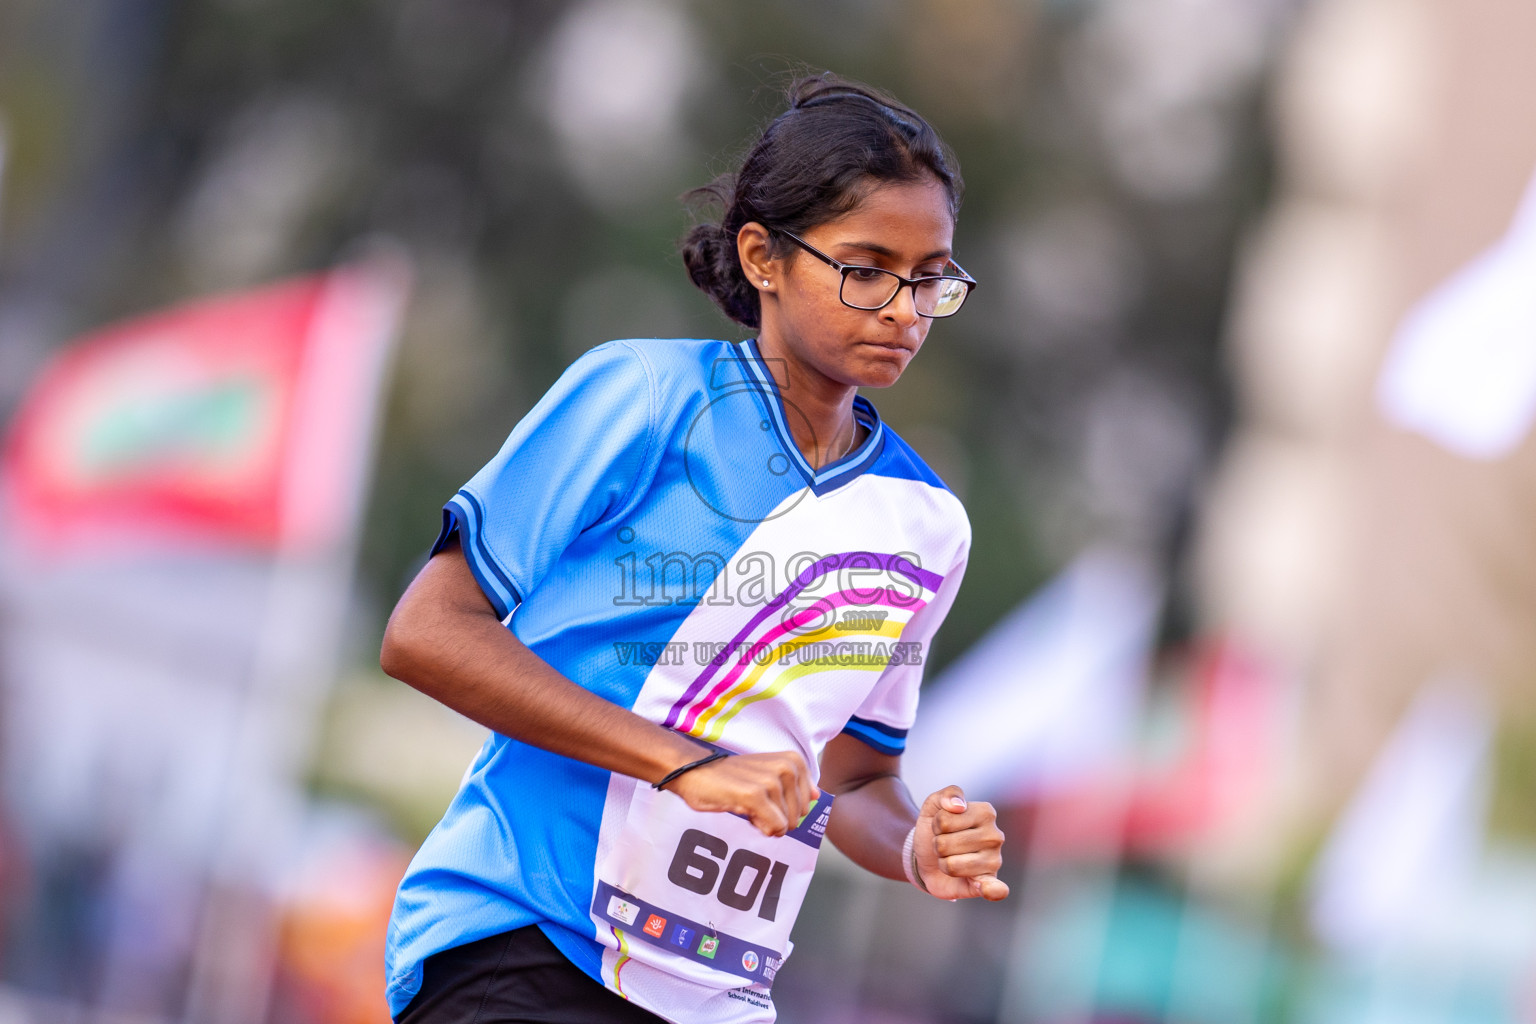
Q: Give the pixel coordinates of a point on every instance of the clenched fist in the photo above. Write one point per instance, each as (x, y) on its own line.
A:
(958, 847)
(773, 791)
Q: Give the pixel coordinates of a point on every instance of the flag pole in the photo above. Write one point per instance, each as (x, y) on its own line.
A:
(308, 593)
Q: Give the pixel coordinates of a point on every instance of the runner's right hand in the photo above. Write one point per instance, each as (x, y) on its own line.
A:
(773, 791)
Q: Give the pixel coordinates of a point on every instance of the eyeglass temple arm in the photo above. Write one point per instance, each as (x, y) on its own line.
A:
(844, 267)
(963, 273)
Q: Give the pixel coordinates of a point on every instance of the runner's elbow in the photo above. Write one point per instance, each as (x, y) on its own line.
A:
(407, 647)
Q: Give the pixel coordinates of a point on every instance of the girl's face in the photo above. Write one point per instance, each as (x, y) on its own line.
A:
(901, 227)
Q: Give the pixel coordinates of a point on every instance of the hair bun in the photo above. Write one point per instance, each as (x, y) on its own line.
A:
(806, 168)
(709, 253)
(815, 90)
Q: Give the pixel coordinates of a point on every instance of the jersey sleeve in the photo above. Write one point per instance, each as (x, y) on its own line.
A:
(576, 460)
(890, 709)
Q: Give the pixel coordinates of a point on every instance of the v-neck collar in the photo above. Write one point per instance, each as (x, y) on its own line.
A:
(834, 474)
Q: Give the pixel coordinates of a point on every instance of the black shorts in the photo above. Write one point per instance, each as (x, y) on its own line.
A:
(517, 977)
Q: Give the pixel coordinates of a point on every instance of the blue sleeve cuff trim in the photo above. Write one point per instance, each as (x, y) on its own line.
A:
(465, 515)
(885, 738)
(449, 528)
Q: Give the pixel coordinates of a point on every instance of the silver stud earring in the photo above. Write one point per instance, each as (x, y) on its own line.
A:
(765, 282)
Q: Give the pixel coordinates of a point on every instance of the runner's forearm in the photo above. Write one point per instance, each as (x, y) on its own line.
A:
(444, 639)
(874, 811)
(870, 824)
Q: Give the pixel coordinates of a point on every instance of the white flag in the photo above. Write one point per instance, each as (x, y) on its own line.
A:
(1049, 693)
(1409, 842)
(1462, 367)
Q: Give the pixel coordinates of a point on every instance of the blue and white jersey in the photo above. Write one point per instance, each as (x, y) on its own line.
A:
(651, 530)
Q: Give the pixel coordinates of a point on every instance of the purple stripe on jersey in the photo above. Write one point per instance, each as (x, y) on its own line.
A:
(891, 563)
(886, 596)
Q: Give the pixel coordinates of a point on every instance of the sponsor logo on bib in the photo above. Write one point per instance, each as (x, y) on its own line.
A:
(622, 909)
(703, 894)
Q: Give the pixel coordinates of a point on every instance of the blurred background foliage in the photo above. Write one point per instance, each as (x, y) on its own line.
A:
(531, 155)
(1134, 168)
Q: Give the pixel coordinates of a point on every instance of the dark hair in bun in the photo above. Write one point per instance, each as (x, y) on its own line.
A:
(814, 162)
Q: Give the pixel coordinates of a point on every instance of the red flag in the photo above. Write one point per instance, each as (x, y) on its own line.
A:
(242, 418)
(1232, 714)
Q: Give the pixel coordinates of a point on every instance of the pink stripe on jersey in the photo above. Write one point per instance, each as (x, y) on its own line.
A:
(887, 596)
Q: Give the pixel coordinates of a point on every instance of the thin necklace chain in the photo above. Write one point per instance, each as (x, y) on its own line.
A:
(849, 446)
(851, 437)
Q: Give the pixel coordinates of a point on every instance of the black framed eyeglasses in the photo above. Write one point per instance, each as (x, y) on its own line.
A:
(871, 288)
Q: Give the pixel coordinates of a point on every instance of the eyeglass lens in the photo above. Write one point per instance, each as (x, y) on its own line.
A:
(870, 288)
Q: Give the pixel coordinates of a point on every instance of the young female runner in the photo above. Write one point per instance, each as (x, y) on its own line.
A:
(695, 572)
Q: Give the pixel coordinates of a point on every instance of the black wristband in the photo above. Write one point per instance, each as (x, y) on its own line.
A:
(675, 772)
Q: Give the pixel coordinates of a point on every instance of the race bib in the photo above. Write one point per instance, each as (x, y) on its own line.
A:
(703, 894)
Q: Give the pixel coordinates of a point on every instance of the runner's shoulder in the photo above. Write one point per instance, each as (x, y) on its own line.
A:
(934, 499)
(669, 359)
(680, 372)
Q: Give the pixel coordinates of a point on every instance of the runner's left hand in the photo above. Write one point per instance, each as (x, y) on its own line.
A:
(959, 847)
